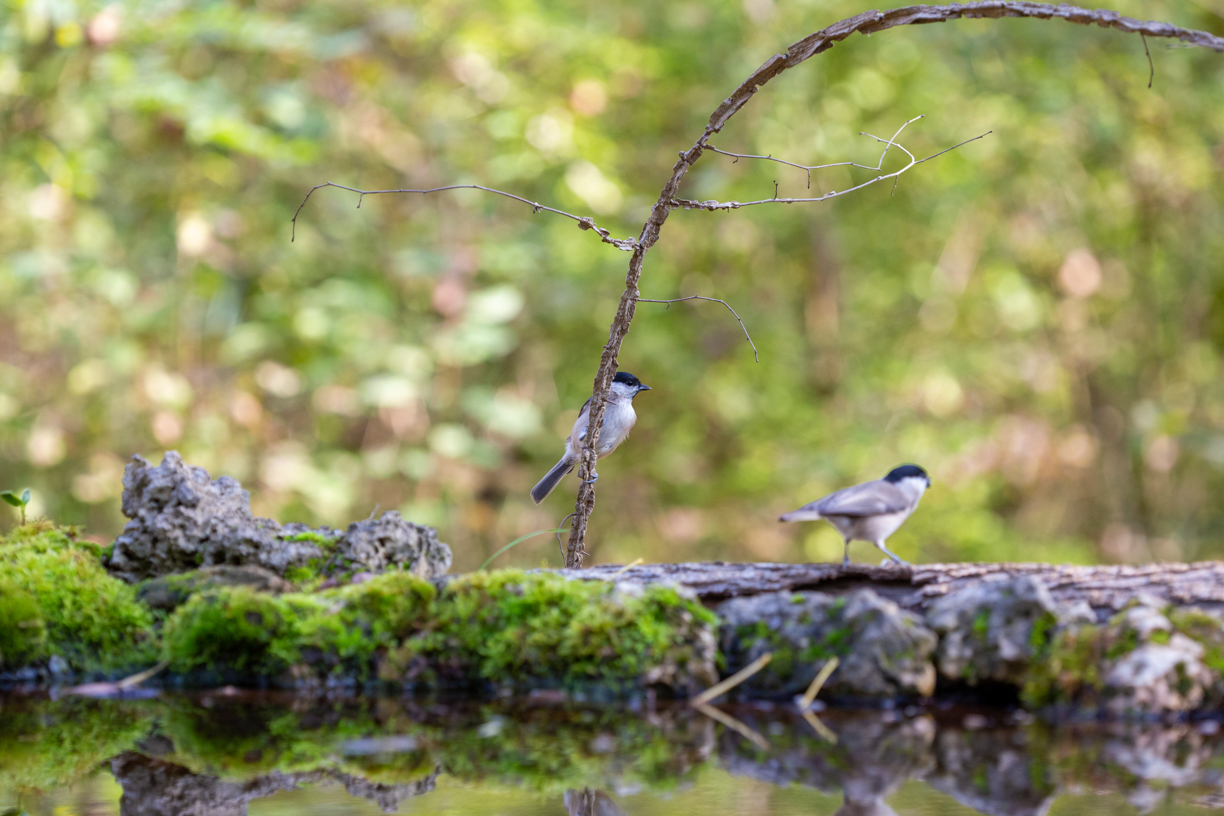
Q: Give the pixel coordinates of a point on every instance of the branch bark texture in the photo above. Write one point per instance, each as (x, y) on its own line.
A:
(869, 22)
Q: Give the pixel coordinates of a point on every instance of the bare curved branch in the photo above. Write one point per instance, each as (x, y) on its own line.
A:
(810, 167)
(747, 336)
(714, 206)
(584, 222)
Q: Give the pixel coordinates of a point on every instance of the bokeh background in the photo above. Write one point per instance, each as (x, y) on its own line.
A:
(1038, 317)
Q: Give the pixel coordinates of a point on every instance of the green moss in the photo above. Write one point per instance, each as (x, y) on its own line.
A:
(1039, 638)
(347, 630)
(1204, 629)
(512, 628)
(91, 620)
(234, 630)
(237, 631)
(981, 624)
(23, 634)
(1070, 669)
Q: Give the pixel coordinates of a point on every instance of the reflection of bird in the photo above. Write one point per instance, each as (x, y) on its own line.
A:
(618, 421)
(871, 511)
(587, 802)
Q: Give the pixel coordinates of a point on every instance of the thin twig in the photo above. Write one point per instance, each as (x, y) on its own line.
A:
(560, 529)
(584, 222)
(140, 677)
(1151, 65)
(714, 300)
(719, 689)
(817, 682)
(625, 568)
(713, 206)
(735, 725)
(810, 167)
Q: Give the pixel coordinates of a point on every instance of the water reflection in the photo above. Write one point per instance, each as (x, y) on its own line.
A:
(217, 754)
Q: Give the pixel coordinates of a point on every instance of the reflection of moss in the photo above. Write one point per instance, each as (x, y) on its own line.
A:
(91, 619)
(47, 744)
(540, 749)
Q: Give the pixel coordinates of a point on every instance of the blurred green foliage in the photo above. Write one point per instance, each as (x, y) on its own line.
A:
(1037, 318)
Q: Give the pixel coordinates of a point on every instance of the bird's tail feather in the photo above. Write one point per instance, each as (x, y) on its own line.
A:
(546, 485)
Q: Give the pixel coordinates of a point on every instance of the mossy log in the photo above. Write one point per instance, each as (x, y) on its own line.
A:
(1108, 640)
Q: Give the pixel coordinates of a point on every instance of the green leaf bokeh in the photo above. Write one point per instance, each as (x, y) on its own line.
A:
(1037, 318)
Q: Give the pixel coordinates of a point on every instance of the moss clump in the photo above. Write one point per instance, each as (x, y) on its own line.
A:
(23, 634)
(91, 620)
(235, 631)
(347, 631)
(238, 632)
(519, 629)
(1205, 629)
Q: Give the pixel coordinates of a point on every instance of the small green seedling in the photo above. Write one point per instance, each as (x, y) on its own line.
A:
(20, 502)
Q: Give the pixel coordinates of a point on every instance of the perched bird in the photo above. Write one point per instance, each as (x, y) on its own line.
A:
(871, 511)
(617, 422)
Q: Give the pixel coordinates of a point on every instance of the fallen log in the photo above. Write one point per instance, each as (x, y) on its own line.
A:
(914, 587)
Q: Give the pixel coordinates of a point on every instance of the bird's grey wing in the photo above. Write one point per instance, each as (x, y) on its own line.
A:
(581, 413)
(868, 499)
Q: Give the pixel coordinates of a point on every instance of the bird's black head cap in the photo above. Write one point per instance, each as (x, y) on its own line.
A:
(906, 472)
(625, 378)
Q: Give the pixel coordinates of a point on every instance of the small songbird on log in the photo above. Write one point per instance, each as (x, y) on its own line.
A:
(871, 511)
(618, 420)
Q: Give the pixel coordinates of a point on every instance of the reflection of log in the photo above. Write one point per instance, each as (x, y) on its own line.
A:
(915, 587)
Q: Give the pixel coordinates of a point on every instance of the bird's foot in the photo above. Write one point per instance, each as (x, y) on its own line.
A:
(594, 478)
(845, 562)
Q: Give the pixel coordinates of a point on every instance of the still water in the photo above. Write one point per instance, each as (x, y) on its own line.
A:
(226, 754)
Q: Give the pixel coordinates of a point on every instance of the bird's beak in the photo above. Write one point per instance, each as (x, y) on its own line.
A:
(644, 388)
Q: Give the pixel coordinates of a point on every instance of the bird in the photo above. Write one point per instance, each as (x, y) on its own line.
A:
(871, 511)
(618, 420)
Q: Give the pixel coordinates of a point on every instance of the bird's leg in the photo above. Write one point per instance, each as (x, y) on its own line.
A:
(890, 553)
(846, 557)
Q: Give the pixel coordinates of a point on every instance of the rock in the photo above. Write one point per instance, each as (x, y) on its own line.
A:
(182, 520)
(1140, 663)
(1158, 677)
(169, 592)
(389, 542)
(992, 630)
(883, 651)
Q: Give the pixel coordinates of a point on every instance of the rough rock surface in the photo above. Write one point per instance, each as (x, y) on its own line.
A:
(883, 650)
(992, 630)
(169, 592)
(182, 520)
(387, 542)
(1137, 664)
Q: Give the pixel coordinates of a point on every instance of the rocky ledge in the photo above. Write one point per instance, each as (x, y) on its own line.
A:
(198, 584)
